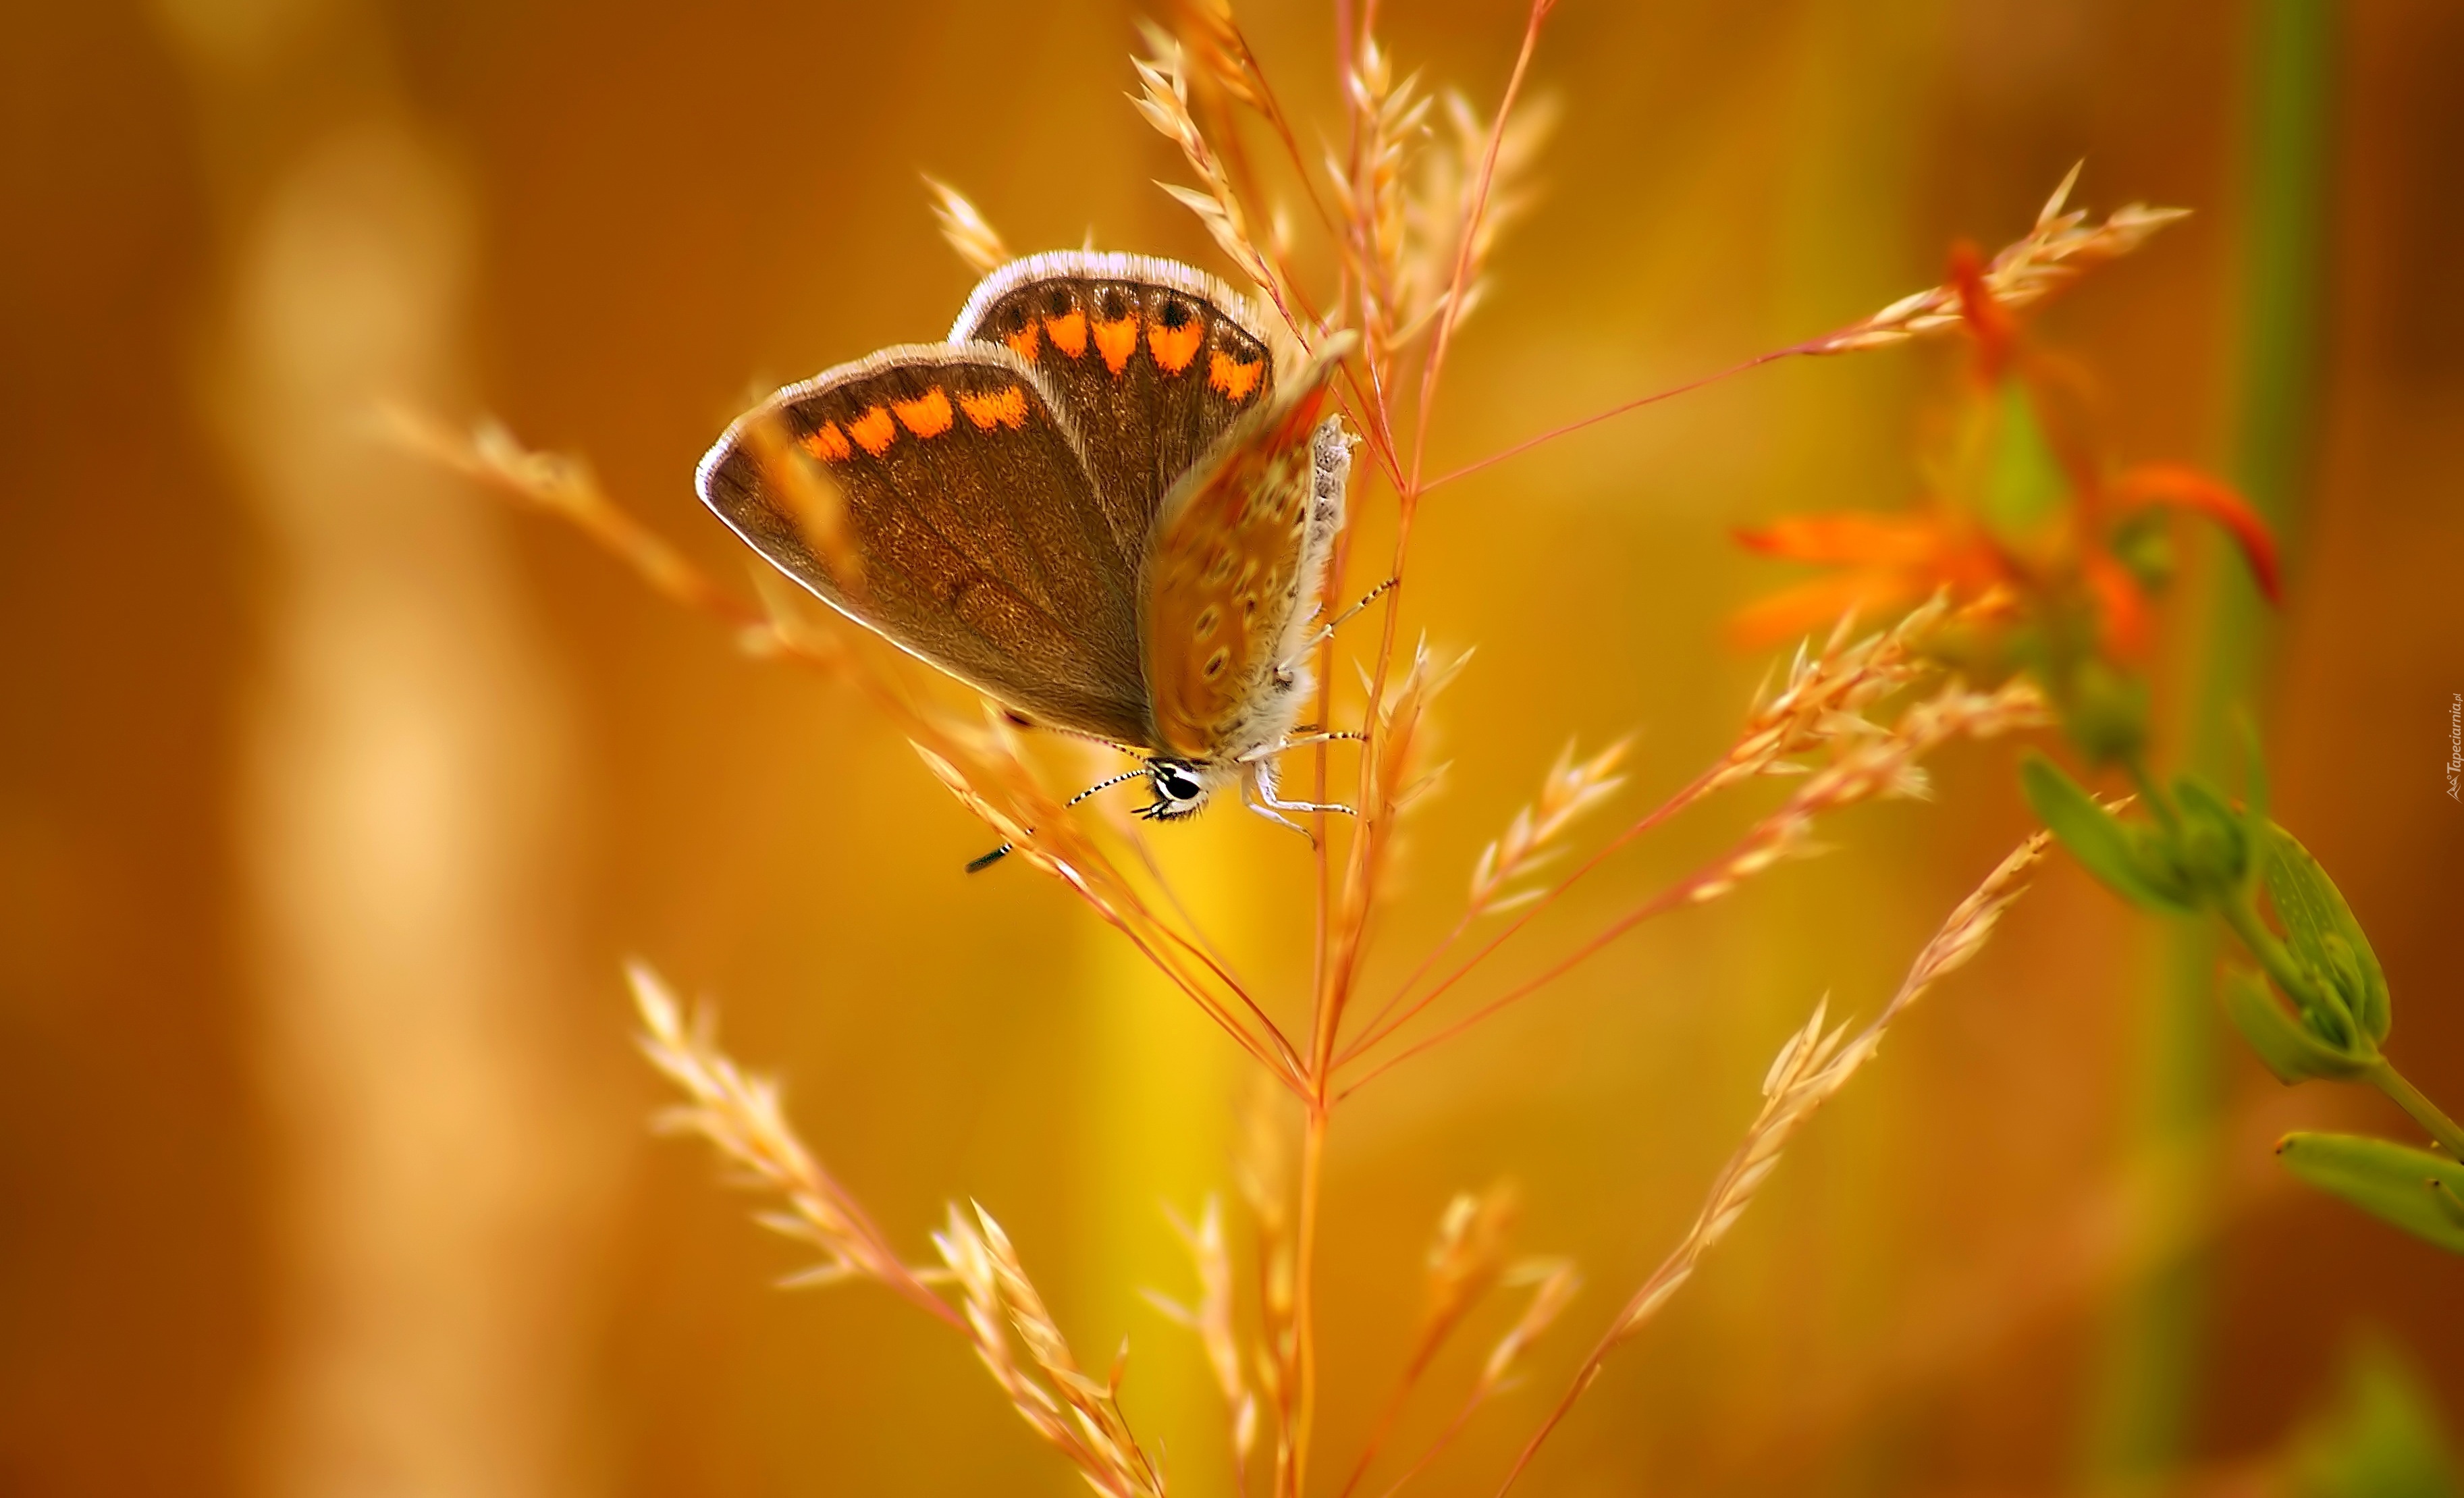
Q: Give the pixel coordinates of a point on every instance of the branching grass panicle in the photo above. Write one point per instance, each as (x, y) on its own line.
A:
(1411, 201)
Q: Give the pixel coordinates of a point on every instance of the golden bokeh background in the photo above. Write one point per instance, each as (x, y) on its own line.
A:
(333, 792)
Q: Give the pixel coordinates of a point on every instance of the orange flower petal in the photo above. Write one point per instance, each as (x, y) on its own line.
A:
(1850, 539)
(2120, 607)
(2183, 487)
(1816, 606)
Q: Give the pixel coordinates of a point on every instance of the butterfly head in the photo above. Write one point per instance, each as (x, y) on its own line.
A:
(1182, 788)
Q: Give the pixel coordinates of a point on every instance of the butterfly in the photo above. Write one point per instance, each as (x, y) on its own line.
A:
(1106, 502)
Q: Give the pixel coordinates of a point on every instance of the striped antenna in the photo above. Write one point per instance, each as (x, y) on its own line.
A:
(980, 865)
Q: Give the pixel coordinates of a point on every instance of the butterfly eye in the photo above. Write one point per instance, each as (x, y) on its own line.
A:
(1172, 782)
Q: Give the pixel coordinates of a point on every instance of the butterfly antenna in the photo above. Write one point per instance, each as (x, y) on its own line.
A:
(1124, 775)
(986, 861)
(1326, 630)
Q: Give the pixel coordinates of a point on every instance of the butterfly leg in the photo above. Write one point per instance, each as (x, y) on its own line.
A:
(1269, 807)
(1258, 794)
(1301, 740)
(1284, 668)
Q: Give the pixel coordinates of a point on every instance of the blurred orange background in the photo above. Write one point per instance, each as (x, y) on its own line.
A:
(333, 792)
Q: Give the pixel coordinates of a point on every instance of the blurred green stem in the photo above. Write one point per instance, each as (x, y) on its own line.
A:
(2142, 1401)
(2424, 1112)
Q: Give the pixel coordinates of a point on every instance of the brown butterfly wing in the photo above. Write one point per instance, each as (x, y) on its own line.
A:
(968, 503)
(1153, 360)
(1234, 558)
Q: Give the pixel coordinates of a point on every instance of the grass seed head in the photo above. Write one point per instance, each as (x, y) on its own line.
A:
(966, 230)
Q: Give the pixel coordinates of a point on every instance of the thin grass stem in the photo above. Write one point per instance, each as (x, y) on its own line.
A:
(1378, 1031)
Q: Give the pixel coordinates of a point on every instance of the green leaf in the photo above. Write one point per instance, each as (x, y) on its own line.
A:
(2393, 1183)
(2382, 1438)
(2096, 837)
(2291, 1050)
(2025, 487)
(2325, 939)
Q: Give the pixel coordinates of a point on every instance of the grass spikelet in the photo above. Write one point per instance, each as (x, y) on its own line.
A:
(1823, 699)
(1880, 764)
(1228, 73)
(1391, 777)
(1374, 203)
(2060, 248)
(1211, 1320)
(1555, 1284)
(1396, 778)
(1566, 792)
(1465, 1260)
(1477, 201)
(1467, 1252)
(1209, 33)
(1441, 205)
(1096, 1436)
(1096, 1405)
(1163, 100)
(740, 1116)
(1868, 762)
(1811, 1068)
(966, 230)
(1968, 927)
(563, 487)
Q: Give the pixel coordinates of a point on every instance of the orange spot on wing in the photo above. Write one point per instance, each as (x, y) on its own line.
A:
(1024, 341)
(928, 415)
(827, 442)
(1175, 347)
(1117, 342)
(1229, 375)
(873, 431)
(1068, 334)
(1005, 409)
